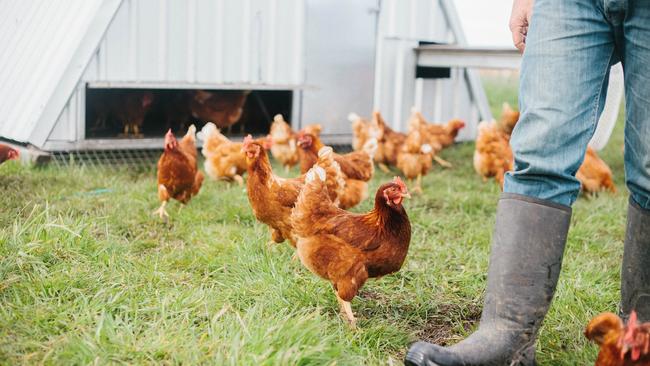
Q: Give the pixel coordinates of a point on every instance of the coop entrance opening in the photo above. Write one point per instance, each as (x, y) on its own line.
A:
(149, 113)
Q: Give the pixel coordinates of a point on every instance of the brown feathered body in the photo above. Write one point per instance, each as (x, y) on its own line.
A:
(224, 108)
(178, 174)
(347, 248)
(224, 159)
(390, 142)
(357, 168)
(415, 158)
(509, 118)
(283, 142)
(443, 135)
(620, 345)
(272, 197)
(492, 154)
(594, 174)
(362, 131)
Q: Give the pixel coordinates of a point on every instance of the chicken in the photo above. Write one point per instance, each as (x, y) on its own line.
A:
(415, 158)
(314, 129)
(346, 248)
(389, 141)
(283, 142)
(492, 155)
(620, 345)
(8, 153)
(224, 108)
(418, 123)
(436, 135)
(178, 175)
(357, 167)
(131, 109)
(594, 174)
(272, 197)
(362, 131)
(224, 159)
(509, 118)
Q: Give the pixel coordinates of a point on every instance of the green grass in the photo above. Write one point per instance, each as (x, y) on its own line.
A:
(94, 278)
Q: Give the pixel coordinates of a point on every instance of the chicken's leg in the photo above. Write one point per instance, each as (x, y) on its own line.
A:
(163, 195)
(136, 132)
(162, 212)
(418, 185)
(238, 178)
(384, 168)
(346, 309)
(442, 162)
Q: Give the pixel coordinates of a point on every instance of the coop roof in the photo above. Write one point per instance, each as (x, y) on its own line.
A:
(46, 45)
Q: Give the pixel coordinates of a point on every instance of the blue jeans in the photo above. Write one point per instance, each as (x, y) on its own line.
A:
(569, 50)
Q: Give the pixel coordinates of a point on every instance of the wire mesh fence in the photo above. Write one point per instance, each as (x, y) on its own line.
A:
(124, 159)
(140, 160)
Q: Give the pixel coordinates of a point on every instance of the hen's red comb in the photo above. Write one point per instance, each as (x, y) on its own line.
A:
(633, 340)
(400, 183)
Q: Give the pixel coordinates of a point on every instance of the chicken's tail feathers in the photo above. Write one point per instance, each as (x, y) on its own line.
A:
(426, 149)
(191, 131)
(371, 146)
(325, 152)
(207, 131)
(315, 171)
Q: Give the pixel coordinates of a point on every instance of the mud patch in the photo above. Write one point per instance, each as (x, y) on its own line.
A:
(442, 327)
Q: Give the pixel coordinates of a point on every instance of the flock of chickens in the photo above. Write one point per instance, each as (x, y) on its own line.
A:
(309, 211)
(129, 110)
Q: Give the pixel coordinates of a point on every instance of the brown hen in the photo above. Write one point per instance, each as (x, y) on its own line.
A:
(178, 174)
(620, 345)
(346, 248)
(272, 197)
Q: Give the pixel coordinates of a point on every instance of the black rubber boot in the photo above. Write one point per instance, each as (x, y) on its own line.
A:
(525, 262)
(635, 273)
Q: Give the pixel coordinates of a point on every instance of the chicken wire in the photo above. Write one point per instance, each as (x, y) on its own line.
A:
(141, 159)
(135, 159)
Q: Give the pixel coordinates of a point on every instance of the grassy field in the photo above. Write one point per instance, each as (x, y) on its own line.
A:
(87, 275)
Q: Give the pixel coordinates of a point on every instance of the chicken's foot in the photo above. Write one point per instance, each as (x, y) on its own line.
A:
(162, 212)
(346, 310)
(442, 162)
(384, 168)
(418, 185)
(238, 178)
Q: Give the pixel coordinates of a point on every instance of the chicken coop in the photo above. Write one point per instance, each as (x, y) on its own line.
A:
(82, 75)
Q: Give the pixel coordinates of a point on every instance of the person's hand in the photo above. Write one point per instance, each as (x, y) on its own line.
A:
(519, 21)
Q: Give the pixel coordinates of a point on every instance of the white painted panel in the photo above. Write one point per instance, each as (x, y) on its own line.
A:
(340, 57)
(42, 46)
(257, 42)
(147, 45)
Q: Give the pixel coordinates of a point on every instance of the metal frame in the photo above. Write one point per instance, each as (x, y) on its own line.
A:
(468, 57)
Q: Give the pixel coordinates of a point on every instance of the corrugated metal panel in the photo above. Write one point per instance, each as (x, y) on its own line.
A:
(341, 38)
(208, 42)
(39, 39)
(402, 24)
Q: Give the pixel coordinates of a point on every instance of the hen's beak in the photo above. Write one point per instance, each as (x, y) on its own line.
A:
(406, 195)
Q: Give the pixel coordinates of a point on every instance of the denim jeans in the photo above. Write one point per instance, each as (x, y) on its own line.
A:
(569, 50)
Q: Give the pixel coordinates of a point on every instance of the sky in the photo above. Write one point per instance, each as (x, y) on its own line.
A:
(485, 21)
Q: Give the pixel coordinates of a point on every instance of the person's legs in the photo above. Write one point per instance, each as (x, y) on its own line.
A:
(564, 78)
(635, 273)
(569, 50)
